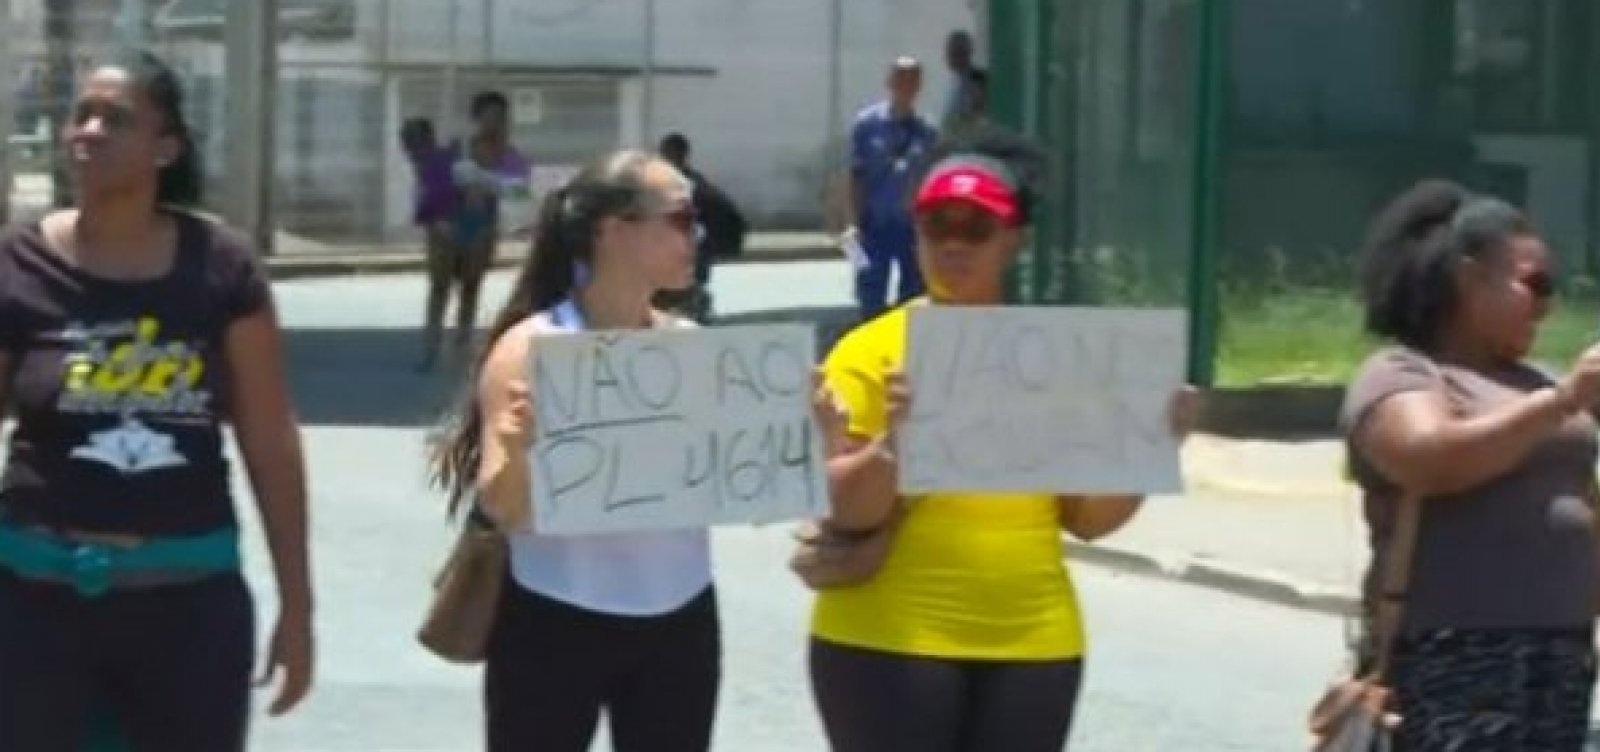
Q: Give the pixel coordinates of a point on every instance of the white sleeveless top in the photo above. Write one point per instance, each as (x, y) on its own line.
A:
(627, 574)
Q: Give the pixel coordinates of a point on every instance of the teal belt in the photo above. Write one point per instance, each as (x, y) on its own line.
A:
(93, 568)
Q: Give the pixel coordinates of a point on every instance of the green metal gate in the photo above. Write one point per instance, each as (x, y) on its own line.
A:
(1110, 88)
(1226, 155)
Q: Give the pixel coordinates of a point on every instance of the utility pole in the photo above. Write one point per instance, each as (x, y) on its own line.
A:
(8, 115)
(447, 99)
(647, 75)
(251, 50)
(60, 38)
(835, 130)
(133, 24)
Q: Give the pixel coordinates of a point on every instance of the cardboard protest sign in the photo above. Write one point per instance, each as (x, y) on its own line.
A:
(1041, 399)
(660, 429)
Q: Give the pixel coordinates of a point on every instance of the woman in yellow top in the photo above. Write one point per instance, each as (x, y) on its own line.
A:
(969, 637)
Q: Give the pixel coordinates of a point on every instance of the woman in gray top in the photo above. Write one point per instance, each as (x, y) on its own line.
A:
(1497, 647)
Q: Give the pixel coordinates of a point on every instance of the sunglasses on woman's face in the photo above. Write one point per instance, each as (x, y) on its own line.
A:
(112, 116)
(973, 227)
(1538, 284)
(684, 219)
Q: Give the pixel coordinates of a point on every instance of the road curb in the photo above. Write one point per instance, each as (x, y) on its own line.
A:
(281, 268)
(1239, 486)
(1267, 587)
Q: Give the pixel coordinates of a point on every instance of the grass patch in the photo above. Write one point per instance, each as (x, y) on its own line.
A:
(1304, 336)
(1293, 318)
(1313, 336)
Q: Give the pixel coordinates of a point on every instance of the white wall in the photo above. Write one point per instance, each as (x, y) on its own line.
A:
(747, 80)
(760, 124)
(751, 85)
(1558, 184)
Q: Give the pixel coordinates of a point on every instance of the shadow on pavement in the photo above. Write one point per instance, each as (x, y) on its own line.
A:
(367, 377)
(831, 322)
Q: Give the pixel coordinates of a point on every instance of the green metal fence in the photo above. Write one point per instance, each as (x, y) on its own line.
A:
(1227, 154)
(1110, 88)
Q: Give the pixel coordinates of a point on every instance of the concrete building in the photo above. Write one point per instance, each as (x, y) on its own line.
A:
(764, 88)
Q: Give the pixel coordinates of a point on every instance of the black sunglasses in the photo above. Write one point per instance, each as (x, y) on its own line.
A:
(683, 219)
(1538, 284)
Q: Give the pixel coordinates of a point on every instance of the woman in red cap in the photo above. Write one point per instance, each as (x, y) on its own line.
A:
(969, 635)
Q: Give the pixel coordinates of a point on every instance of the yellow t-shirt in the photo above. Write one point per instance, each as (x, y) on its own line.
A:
(969, 576)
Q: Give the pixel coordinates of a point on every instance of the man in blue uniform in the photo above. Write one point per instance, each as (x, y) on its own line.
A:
(888, 145)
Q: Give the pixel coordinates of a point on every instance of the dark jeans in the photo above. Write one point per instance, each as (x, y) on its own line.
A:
(1483, 690)
(873, 701)
(887, 247)
(171, 664)
(553, 667)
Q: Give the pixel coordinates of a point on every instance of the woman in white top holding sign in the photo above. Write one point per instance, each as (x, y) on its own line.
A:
(624, 622)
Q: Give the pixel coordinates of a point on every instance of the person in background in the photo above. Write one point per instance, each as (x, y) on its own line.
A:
(958, 59)
(969, 638)
(435, 204)
(1496, 649)
(720, 233)
(889, 144)
(131, 331)
(487, 168)
(973, 114)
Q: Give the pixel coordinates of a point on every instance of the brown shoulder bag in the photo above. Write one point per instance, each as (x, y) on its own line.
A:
(827, 557)
(1358, 714)
(466, 595)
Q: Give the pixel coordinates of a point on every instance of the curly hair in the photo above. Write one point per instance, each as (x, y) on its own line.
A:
(1412, 251)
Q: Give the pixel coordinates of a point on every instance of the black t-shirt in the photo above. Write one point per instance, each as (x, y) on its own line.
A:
(119, 387)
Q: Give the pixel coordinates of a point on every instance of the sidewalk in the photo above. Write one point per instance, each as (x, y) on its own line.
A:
(1264, 519)
(298, 257)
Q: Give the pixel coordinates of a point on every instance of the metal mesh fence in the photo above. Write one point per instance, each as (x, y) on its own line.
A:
(46, 46)
(1332, 108)
(764, 91)
(1109, 89)
(1324, 110)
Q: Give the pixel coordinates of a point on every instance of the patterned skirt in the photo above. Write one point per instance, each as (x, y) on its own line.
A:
(1500, 690)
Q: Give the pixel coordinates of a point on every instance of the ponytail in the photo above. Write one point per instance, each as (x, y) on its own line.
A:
(180, 182)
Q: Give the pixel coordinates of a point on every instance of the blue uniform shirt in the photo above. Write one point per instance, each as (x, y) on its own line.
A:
(886, 155)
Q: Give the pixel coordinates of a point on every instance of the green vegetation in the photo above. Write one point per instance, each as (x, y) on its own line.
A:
(1300, 327)
(1313, 336)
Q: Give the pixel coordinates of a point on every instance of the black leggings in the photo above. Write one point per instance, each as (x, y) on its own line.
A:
(874, 701)
(552, 667)
(171, 665)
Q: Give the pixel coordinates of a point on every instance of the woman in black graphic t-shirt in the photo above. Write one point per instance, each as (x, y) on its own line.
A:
(129, 332)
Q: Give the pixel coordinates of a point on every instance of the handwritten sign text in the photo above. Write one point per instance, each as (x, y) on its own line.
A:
(1034, 399)
(657, 429)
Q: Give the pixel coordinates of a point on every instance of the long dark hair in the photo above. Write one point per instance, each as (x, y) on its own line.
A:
(568, 221)
(180, 182)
